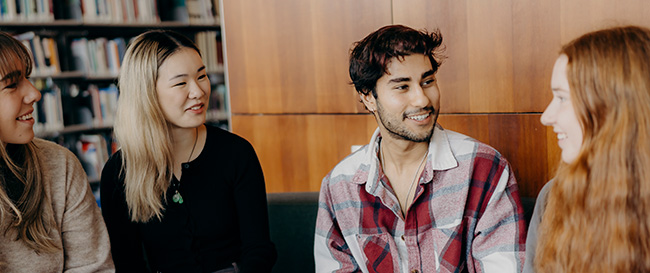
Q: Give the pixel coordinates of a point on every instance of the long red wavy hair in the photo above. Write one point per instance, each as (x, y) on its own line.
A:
(597, 218)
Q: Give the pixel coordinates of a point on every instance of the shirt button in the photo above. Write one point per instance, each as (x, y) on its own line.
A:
(186, 166)
(402, 237)
(414, 271)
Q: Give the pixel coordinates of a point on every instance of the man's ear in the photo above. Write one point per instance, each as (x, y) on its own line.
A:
(369, 101)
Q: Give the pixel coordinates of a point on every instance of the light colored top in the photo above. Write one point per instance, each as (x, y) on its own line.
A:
(79, 232)
(535, 220)
(466, 216)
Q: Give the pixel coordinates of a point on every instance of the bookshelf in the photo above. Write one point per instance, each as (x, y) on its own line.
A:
(78, 45)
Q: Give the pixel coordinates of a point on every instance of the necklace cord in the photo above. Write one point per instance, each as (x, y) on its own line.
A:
(381, 153)
(177, 197)
(196, 137)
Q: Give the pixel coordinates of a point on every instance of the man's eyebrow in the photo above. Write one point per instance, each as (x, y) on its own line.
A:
(428, 73)
(11, 75)
(403, 79)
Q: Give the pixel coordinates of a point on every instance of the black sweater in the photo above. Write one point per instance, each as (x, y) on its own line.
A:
(222, 220)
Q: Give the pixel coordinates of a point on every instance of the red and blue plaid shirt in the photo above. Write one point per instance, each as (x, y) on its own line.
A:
(466, 216)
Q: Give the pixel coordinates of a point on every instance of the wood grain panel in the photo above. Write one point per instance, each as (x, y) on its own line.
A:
(291, 56)
(536, 43)
(582, 16)
(451, 18)
(297, 151)
(490, 56)
(521, 138)
(499, 53)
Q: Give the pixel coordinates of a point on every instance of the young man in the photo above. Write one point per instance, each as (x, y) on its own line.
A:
(417, 198)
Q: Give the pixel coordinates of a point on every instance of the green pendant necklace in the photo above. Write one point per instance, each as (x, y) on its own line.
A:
(177, 197)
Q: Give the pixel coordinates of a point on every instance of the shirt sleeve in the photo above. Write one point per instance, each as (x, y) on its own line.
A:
(331, 252)
(125, 242)
(258, 252)
(500, 234)
(85, 239)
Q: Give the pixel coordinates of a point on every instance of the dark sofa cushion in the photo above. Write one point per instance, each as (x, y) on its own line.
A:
(292, 221)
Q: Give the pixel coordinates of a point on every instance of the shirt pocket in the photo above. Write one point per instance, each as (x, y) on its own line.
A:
(446, 245)
(380, 252)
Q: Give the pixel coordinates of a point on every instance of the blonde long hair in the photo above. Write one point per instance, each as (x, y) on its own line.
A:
(140, 126)
(29, 214)
(597, 217)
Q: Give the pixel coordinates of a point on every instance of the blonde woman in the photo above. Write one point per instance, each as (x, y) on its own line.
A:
(49, 220)
(180, 196)
(595, 216)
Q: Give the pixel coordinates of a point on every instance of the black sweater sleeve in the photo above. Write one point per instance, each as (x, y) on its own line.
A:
(258, 252)
(126, 246)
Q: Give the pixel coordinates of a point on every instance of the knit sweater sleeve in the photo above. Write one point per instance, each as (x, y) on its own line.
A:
(83, 232)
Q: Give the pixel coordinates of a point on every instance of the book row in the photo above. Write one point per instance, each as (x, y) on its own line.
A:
(102, 57)
(66, 105)
(111, 11)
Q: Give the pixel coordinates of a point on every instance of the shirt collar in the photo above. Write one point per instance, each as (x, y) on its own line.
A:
(440, 158)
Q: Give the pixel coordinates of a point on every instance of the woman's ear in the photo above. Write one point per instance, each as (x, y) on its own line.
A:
(369, 101)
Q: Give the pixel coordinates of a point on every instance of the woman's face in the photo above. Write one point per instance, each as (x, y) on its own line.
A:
(17, 100)
(183, 89)
(560, 114)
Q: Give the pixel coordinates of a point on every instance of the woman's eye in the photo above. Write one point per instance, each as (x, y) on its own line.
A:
(11, 86)
(179, 84)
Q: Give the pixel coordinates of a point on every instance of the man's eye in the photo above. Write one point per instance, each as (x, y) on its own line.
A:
(428, 82)
(202, 76)
(402, 87)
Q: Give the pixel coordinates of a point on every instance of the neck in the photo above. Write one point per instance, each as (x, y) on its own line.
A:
(402, 154)
(184, 139)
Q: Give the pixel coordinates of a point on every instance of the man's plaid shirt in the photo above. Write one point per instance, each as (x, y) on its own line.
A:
(466, 217)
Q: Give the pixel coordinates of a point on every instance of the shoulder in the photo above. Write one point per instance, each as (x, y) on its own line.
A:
(61, 171)
(227, 148)
(50, 150)
(466, 144)
(353, 168)
(542, 197)
(55, 159)
(466, 147)
(114, 163)
(225, 138)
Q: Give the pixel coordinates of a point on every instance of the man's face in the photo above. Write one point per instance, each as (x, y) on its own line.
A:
(408, 99)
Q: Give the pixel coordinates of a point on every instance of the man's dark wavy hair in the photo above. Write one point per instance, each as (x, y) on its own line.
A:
(370, 57)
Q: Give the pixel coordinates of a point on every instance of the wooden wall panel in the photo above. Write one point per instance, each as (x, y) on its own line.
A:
(297, 151)
(290, 96)
(536, 43)
(451, 18)
(490, 56)
(521, 138)
(581, 16)
(292, 56)
(501, 52)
